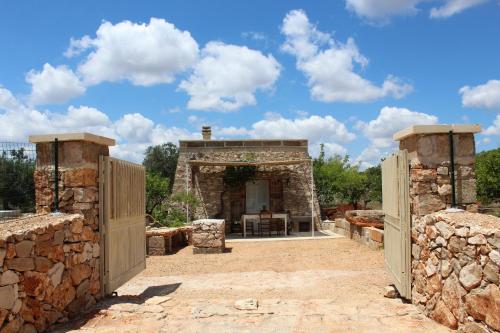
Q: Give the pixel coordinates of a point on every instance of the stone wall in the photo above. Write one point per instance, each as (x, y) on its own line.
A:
(206, 182)
(430, 185)
(161, 241)
(208, 236)
(49, 271)
(455, 269)
(370, 236)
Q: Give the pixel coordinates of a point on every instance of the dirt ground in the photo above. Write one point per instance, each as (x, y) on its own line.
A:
(322, 285)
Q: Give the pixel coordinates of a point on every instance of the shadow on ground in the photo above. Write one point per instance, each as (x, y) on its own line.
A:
(105, 303)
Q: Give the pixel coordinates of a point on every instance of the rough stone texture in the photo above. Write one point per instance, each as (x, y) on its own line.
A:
(37, 284)
(290, 184)
(456, 281)
(161, 241)
(366, 218)
(429, 157)
(208, 236)
(371, 236)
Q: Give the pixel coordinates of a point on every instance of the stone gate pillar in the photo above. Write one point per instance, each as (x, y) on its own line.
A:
(78, 156)
(430, 172)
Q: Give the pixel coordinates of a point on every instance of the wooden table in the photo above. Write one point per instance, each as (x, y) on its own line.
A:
(246, 217)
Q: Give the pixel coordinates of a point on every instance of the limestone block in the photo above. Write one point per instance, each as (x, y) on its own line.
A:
(23, 249)
(8, 277)
(470, 276)
(21, 264)
(8, 296)
(156, 241)
(377, 235)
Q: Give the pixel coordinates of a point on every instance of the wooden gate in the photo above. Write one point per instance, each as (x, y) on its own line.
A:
(122, 198)
(397, 222)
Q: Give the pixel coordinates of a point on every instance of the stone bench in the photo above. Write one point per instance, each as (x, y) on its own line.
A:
(161, 241)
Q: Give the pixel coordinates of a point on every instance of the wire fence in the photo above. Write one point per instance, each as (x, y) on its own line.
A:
(17, 187)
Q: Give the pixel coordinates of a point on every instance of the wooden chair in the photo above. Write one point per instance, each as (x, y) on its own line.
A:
(265, 218)
(249, 227)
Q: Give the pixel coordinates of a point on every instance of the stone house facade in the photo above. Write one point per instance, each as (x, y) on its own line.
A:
(282, 182)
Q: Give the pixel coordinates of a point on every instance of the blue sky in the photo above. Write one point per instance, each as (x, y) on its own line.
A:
(344, 73)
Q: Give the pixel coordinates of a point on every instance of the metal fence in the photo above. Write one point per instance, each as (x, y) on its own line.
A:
(17, 187)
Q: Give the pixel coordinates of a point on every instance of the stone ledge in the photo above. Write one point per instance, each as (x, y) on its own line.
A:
(435, 129)
(101, 140)
(207, 250)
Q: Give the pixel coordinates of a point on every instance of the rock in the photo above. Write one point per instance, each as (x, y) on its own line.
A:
(446, 268)
(34, 284)
(462, 232)
(429, 203)
(8, 296)
(445, 229)
(442, 170)
(77, 226)
(42, 264)
(495, 257)
(81, 177)
(58, 237)
(82, 289)
(55, 274)
(473, 327)
(85, 194)
(390, 292)
(444, 316)
(452, 294)
(21, 264)
(470, 276)
(79, 273)
(431, 232)
(3, 252)
(63, 294)
(441, 241)
(444, 190)
(365, 218)
(9, 277)
(96, 250)
(430, 269)
(477, 240)
(484, 305)
(13, 326)
(28, 328)
(491, 272)
(23, 249)
(246, 304)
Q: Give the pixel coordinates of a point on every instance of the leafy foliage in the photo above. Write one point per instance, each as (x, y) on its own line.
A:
(488, 175)
(234, 177)
(162, 160)
(17, 187)
(338, 181)
(157, 191)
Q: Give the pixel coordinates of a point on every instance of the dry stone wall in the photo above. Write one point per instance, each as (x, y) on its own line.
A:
(455, 269)
(430, 181)
(49, 271)
(208, 236)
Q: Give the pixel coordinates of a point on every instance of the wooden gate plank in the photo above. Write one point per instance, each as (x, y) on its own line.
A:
(395, 204)
(123, 210)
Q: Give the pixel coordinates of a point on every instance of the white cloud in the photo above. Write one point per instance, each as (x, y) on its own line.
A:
(145, 54)
(380, 130)
(53, 85)
(494, 129)
(377, 11)
(227, 76)
(486, 96)
(133, 132)
(7, 100)
(381, 10)
(331, 70)
(452, 7)
(327, 130)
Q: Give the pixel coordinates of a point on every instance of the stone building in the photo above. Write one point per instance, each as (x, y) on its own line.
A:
(282, 181)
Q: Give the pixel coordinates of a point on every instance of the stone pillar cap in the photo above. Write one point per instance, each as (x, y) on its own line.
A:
(101, 140)
(435, 129)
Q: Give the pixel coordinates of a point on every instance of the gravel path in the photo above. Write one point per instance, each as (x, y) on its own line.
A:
(329, 285)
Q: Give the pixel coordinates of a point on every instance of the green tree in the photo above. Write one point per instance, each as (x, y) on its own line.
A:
(17, 188)
(162, 160)
(157, 190)
(488, 175)
(373, 184)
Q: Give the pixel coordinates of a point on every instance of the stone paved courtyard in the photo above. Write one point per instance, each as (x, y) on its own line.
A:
(328, 285)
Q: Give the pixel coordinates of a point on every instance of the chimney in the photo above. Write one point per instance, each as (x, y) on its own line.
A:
(206, 132)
